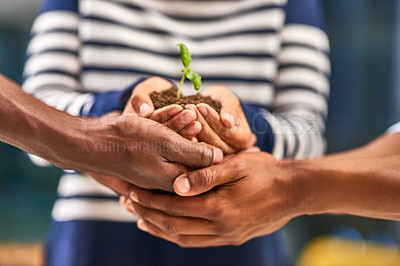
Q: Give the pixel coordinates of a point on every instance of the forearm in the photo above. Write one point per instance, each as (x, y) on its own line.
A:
(364, 187)
(32, 126)
(385, 145)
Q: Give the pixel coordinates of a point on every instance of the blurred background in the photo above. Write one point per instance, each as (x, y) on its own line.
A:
(365, 100)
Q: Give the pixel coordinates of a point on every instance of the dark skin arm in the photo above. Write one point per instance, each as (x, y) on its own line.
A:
(253, 194)
(128, 147)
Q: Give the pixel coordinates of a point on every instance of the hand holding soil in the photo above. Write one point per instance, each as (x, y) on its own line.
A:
(215, 116)
(227, 129)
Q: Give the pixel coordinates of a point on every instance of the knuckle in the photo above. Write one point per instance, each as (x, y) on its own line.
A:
(124, 125)
(205, 156)
(135, 99)
(171, 210)
(240, 165)
(222, 229)
(166, 145)
(169, 226)
(245, 144)
(203, 179)
(224, 210)
(219, 213)
(209, 206)
(172, 171)
(229, 135)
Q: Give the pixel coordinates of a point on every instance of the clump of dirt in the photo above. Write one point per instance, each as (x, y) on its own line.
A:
(168, 97)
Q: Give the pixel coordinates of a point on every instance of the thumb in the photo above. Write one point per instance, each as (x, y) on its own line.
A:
(142, 103)
(203, 180)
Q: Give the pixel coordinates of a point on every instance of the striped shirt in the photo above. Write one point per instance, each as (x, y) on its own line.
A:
(273, 54)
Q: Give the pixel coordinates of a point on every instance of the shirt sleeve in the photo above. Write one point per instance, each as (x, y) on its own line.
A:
(53, 68)
(294, 126)
(394, 129)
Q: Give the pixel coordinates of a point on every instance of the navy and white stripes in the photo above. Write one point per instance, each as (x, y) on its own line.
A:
(302, 90)
(272, 53)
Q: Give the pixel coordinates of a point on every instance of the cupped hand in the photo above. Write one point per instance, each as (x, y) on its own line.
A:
(228, 130)
(173, 116)
(249, 195)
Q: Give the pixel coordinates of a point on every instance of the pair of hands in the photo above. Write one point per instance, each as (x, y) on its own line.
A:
(159, 154)
(156, 152)
(247, 195)
(228, 130)
(226, 214)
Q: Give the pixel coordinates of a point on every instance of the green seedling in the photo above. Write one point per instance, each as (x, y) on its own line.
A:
(195, 78)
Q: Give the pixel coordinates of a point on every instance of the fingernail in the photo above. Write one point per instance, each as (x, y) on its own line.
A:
(134, 196)
(194, 139)
(203, 110)
(144, 110)
(218, 155)
(175, 110)
(142, 225)
(188, 116)
(229, 119)
(122, 199)
(193, 129)
(190, 106)
(182, 184)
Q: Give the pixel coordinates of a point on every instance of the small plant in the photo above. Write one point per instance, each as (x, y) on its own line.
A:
(195, 78)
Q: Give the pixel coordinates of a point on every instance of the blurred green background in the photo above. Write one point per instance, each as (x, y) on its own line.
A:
(365, 100)
(26, 191)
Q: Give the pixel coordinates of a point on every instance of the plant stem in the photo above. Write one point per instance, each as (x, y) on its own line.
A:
(178, 94)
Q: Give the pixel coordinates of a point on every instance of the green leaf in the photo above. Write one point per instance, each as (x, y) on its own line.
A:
(186, 57)
(194, 78)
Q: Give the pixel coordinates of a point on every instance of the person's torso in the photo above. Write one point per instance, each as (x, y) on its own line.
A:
(233, 43)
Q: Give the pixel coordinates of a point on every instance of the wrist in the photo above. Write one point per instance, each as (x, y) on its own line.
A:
(314, 186)
(63, 138)
(86, 142)
(97, 142)
(294, 202)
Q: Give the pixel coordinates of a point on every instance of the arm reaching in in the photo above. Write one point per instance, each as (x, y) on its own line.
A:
(31, 125)
(252, 194)
(119, 146)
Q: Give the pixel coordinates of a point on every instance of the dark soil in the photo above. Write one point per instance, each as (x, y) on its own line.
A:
(168, 97)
